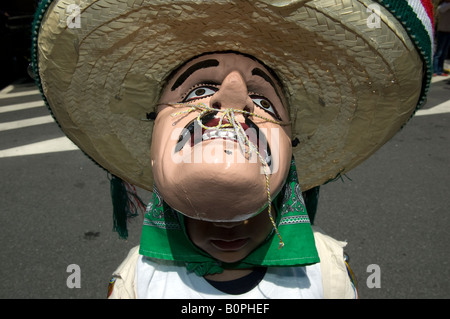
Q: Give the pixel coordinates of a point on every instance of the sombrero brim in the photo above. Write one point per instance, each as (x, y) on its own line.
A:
(351, 81)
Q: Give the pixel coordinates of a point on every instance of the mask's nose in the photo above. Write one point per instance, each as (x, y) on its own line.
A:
(233, 93)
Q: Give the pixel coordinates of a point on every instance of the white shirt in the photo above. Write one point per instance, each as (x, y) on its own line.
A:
(166, 280)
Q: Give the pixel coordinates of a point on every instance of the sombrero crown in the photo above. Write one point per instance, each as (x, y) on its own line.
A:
(354, 71)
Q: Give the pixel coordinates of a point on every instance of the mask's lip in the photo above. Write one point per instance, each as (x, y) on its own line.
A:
(209, 120)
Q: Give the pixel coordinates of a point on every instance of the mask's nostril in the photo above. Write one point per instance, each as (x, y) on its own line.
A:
(217, 105)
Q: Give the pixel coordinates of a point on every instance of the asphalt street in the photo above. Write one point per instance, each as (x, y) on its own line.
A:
(56, 211)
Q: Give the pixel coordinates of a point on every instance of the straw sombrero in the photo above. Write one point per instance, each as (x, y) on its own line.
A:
(354, 71)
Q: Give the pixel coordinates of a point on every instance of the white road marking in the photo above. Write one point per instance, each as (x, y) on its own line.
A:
(25, 123)
(438, 109)
(21, 106)
(8, 95)
(60, 144)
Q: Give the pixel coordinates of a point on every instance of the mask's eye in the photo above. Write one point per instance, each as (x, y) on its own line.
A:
(199, 93)
(266, 105)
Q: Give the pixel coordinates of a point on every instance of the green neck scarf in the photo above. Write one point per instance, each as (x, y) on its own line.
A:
(164, 236)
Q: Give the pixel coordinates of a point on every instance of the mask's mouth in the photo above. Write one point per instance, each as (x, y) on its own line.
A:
(212, 127)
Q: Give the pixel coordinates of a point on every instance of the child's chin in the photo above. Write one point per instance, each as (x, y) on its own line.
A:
(230, 258)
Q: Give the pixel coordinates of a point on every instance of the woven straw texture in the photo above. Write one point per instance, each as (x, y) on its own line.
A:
(350, 87)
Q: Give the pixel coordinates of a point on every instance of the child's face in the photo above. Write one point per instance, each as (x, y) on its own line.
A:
(229, 241)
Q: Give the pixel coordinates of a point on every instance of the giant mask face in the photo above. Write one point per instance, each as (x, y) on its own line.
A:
(221, 144)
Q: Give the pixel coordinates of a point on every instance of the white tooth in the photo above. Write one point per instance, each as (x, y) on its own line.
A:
(223, 134)
(209, 135)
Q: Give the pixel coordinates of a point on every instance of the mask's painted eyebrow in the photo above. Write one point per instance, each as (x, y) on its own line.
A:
(261, 73)
(192, 69)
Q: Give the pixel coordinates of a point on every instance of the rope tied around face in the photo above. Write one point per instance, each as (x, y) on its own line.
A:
(228, 121)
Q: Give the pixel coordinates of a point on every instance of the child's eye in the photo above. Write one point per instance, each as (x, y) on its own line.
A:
(265, 104)
(199, 93)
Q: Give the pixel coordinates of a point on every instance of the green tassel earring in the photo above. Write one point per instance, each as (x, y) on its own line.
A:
(126, 204)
